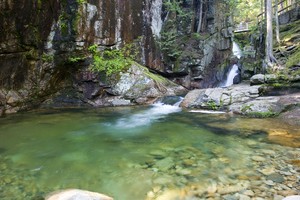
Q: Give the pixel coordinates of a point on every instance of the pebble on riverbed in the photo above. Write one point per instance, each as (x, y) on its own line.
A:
(270, 176)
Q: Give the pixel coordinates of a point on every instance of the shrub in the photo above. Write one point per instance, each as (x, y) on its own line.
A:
(110, 61)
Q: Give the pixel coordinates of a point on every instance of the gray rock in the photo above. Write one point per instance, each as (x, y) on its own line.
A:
(271, 78)
(159, 154)
(139, 83)
(212, 98)
(275, 177)
(258, 158)
(257, 79)
(13, 98)
(230, 197)
(244, 197)
(165, 164)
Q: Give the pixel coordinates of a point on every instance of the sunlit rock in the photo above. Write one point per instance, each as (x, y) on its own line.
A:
(171, 195)
(138, 83)
(294, 197)
(72, 194)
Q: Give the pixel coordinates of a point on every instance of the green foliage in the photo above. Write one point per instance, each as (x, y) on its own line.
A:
(246, 108)
(111, 61)
(47, 57)
(175, 7)
(212, 105)
(63, 23)
(169, 44)
(75, 59)
(81, 1)
(294, 59)
(245, 11)
(171, 38)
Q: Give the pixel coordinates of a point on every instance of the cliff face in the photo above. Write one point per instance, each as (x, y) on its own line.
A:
(40, 39)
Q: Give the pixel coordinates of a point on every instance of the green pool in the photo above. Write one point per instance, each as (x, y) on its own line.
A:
(136, 153)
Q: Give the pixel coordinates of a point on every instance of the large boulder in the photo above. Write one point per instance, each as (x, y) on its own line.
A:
(139, 85)
(246, 100)
(257, 79)
(72, 194)
(215, 98)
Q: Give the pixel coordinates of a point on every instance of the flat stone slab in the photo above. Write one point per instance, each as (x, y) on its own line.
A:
(76, 194)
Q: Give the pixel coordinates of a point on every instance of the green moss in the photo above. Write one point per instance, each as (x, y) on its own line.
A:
(31, 54)
(157, 78)
(262, 114)
(287, 31)
(293, 59)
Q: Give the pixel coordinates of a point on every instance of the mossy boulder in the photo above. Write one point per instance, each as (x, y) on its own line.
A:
(140, 85)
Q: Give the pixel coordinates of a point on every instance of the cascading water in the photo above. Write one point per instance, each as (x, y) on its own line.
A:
(234, 69)
(232, 73)
(157, 111)
(236, 50)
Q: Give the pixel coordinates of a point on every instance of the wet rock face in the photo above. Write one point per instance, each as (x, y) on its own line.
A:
(39, 39)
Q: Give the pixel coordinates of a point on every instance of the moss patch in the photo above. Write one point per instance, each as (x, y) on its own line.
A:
(293, 59)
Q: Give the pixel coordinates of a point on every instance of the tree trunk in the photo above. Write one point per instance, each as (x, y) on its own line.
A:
(269, 58)
(277, 22)
(200, 16)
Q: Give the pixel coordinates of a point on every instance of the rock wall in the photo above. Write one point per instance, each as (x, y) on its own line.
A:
(43, 45)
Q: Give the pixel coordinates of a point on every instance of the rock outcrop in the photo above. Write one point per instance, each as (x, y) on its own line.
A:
(244, 99)
(44, 45)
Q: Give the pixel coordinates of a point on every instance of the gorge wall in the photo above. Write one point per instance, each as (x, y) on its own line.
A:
(44, 45)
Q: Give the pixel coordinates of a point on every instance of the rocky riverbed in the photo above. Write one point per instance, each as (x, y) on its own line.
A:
(273, 173)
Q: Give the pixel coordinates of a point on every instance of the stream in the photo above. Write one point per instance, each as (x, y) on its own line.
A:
(136, 153)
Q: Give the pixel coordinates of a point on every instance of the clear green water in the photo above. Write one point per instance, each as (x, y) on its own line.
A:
(114, 150)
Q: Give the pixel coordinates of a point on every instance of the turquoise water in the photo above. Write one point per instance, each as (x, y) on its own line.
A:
(123, 152)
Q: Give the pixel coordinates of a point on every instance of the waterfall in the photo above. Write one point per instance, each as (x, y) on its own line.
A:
(232, 73)
(234, 70)
(236, 50)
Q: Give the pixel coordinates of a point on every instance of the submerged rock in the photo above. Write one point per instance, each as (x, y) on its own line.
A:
(72, 194)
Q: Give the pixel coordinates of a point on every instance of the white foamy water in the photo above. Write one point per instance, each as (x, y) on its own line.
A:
(147, 117)
(232, 73)
(207, 111)
(236, 50)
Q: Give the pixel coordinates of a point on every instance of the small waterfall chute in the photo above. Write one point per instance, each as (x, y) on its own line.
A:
(236, 50)
(234, 71)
